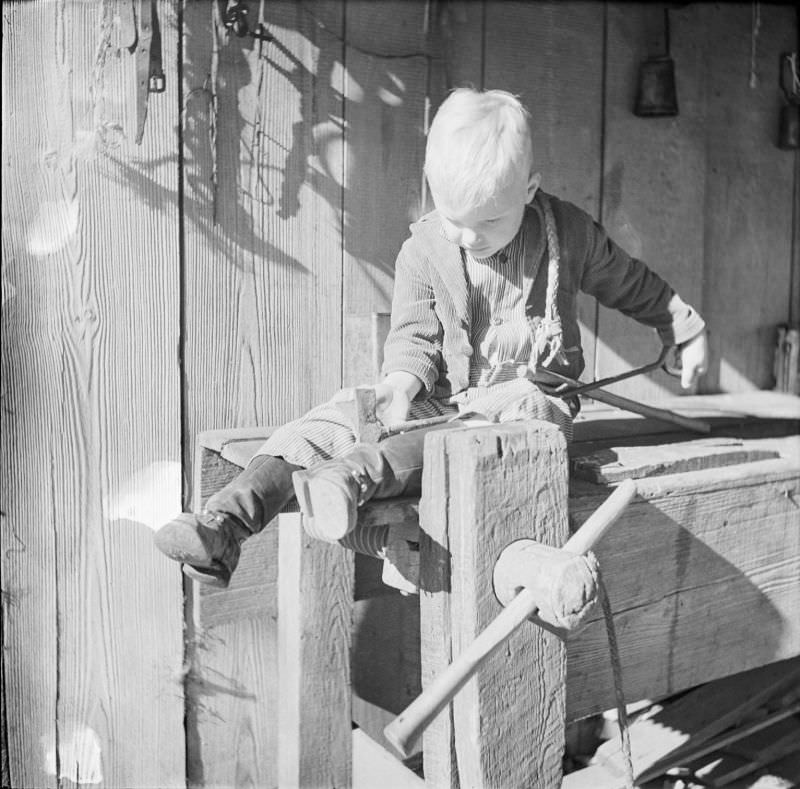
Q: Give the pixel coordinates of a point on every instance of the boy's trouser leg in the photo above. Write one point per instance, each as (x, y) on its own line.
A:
(208, 543)
(329, 493)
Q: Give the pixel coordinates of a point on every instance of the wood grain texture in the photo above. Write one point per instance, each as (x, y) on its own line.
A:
(499, 484)
(384, 97)
(232, 703)
(703, 576)
(263, 161)
(548, 54)
(749, 225)
(263, 154)
(615, 464)
(314, 637)
(91, 450)
(654, 182)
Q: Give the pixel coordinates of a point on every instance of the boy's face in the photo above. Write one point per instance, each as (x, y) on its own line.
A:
(485, 230)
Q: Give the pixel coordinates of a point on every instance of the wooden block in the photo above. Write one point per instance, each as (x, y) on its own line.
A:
(618, 463)
(485, 488)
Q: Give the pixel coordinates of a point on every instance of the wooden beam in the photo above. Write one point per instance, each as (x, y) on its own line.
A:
(315, 593)
(485, 488)
(703, 573)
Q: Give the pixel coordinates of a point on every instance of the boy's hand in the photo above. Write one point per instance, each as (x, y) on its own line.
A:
(394, 395)
(694, 360)
(391, 404)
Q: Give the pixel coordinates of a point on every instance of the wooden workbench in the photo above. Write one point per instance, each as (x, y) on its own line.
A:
(703, 572)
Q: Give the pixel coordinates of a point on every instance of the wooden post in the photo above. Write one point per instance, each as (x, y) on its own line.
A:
(315, 593)
(483, 489)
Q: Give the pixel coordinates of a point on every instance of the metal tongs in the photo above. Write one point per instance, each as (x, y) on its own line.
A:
(559, 385)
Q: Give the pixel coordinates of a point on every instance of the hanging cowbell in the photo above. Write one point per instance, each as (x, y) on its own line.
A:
(656, 94)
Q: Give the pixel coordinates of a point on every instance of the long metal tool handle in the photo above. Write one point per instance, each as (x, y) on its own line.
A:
(405, 729)
(695, 425)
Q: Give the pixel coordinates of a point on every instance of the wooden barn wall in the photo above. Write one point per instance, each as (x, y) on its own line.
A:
(92, 616)
(225, 273)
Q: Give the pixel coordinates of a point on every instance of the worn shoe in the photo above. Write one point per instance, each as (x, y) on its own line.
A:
(207, 544)
(329, 496)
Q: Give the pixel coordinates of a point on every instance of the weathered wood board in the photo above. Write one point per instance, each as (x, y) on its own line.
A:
(684, 192)
(547, 53)
(92, 621)
(748, 245)
(384, 94)
(483, 489)
(315, 631)
(263, 156)
(689, 557)
(262, 215)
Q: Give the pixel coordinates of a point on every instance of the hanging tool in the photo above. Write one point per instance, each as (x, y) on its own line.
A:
(149, 65)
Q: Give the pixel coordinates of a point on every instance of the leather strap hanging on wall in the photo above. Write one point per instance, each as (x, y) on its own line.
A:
(149, 65)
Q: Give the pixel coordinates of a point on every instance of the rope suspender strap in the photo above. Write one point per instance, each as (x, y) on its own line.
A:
(548, 333)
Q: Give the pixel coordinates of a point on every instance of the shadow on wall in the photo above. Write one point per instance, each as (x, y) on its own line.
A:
(266, 121)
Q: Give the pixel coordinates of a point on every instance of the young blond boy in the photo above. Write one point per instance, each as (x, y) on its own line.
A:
(485, 292)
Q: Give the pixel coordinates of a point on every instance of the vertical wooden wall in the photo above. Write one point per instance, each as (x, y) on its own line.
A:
(705, 197)
(224, 273)
(264, 169)
(92, 646)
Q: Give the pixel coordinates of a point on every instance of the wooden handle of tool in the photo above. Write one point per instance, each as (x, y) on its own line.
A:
(405, 729)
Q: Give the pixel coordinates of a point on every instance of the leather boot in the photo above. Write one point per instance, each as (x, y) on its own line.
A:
(208, 543)
(330, 493)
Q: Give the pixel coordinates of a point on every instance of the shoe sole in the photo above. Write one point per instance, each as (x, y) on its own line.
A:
(210, 576)
(326, 515)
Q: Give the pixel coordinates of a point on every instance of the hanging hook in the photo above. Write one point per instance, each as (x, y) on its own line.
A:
(235, 21)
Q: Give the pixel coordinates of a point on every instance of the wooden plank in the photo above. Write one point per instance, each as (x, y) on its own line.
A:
(92, 636)
(617, 463)
(364, 338)
(499, 484)
(439, 758)
(718, 543)
(385, 94)
(263, 159)
(654, 174)
(232, 686)
(315, 590)
(526, 48)
(458, 40)
(748, 224)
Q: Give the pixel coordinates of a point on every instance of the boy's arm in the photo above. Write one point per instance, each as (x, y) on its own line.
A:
(625, 283)
(412, 352)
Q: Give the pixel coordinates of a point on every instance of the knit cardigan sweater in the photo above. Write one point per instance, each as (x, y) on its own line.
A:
(430, 325)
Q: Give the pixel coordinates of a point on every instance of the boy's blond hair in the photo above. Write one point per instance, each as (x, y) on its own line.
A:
(479, 143)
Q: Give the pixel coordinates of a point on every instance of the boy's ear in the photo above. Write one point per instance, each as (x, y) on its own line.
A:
(533, 185)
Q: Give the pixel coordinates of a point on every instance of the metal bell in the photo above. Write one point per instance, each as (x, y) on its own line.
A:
(656, 95)
(789, 132)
